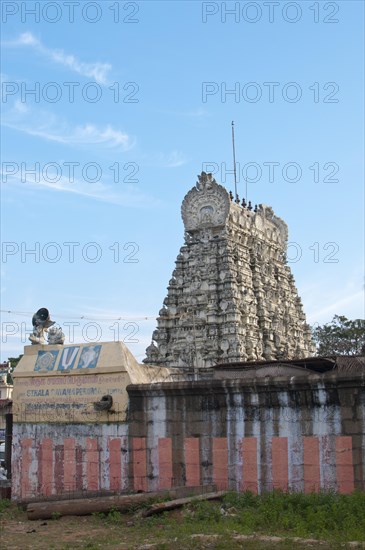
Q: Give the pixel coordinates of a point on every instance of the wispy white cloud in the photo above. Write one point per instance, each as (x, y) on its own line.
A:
(338, 307)
(104, 192)
(170, 160)
(20, 107)
(49, 127)
(98, 71)
(88, 134)
(174, 159)
(322, 299)
(26, 39)
(197, 113)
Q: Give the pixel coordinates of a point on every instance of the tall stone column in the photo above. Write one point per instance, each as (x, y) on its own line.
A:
(232, 296)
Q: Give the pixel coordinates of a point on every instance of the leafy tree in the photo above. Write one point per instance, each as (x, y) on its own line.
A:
(13, 363)
(340, 337)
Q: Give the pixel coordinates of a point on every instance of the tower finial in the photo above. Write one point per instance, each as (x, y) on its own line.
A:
(234, 162)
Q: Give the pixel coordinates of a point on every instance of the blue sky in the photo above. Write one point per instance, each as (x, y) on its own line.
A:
(131, 101)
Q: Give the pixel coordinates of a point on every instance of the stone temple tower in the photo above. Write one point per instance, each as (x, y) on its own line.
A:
(232, 296)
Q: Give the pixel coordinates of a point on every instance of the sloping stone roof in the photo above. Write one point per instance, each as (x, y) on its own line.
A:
(342, 365)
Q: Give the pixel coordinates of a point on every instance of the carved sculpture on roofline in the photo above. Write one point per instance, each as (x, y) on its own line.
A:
(42, 325)
(206, 205)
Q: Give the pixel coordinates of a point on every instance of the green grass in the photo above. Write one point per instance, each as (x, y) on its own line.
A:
(331, 517)
(326, 516)
(4, 504)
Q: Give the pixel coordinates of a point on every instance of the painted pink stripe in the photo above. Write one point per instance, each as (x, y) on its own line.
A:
(115, 463)
(312, 475)
(280, 463)
(344, 465)
(45, 467)
(26, 460)
(165, 462)
(220, 462)
(92, 464)
(70, 464)
(249, 459)
(139, 463)
(192, 461)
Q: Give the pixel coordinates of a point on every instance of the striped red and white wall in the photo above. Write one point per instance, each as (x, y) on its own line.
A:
(73, 461)
(52, 465)
(295, 435)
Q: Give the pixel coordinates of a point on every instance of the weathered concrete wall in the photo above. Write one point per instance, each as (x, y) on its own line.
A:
(54, 383)
(289, 433)
(293, 433)
(61, 444)
(54, 459)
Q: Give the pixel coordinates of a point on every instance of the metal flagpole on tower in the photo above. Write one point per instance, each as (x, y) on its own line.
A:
(234, 162)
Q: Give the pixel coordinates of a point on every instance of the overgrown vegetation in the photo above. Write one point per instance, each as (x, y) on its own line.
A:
(325, 516)
(4, 504)
(218, 525)
(328, 516)
(113, 516)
